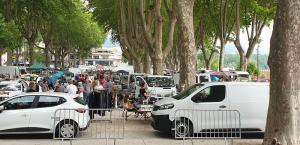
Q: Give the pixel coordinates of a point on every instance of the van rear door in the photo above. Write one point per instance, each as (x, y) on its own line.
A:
(212, 100)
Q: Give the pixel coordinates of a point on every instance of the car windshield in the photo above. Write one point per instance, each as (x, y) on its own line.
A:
(160, 81)
(187, 92)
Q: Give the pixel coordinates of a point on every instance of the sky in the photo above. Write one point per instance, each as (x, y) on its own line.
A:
(264, 46)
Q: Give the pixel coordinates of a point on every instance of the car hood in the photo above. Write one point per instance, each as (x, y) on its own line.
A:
(165, 100)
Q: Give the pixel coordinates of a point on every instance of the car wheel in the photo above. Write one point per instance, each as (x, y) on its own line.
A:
(67, 129)
(183, 129)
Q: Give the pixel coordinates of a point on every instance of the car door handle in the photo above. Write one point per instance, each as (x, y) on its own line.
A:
(222, 106)
(24, 115)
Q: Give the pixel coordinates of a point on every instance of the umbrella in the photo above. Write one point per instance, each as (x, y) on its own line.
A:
(55, 77)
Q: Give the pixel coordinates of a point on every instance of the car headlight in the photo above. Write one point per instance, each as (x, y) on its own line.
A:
(166, 106)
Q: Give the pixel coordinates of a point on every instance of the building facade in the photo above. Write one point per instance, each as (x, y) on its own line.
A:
(105, 57)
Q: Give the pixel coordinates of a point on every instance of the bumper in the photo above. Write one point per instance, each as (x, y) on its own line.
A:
(86, 127)
(161, 123)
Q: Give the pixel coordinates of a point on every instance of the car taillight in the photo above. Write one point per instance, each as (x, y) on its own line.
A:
(80, 110)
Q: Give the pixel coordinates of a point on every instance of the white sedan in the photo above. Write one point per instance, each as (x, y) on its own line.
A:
(34, 113)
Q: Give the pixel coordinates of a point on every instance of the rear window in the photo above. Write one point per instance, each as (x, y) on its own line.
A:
(79, 100)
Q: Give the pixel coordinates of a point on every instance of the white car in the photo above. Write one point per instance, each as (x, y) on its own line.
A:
(34, 113)
(12, 88)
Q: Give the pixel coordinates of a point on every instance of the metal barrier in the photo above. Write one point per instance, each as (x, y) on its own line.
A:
(207, 124)
(79, 124)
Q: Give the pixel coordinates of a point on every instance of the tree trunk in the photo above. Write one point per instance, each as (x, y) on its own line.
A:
(9, 60)
(157, 60)
(243, 62)
(157, 66)
(222, 55)
(62, 60)
(1, 53)
(186, 36)
(147, 64)
(137, 66)
(283, 121)
(210, 61)
(31, 52)
(46, 53)
(55, 61)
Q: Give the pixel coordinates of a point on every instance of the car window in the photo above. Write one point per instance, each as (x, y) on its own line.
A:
(210, 94)
(24, 102)
(49, 101)
(139, 81)
(160, 82)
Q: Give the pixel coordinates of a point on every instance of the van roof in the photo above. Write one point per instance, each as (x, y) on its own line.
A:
(238, 83)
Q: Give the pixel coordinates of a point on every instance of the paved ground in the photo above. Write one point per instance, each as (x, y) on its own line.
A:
(137, 132)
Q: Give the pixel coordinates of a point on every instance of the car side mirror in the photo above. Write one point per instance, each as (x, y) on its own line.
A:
(1, 108)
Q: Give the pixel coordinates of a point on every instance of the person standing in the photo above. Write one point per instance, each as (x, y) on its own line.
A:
(71, 88)
(44, 85)
(31, 87)
(86, 90)
(109, 88)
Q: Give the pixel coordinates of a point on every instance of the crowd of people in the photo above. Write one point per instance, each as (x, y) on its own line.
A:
(82, 86)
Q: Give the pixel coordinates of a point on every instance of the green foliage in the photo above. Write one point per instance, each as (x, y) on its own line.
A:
(65, 25)
(252, 69)
(9, 34)
(106, 12)
(232, 61)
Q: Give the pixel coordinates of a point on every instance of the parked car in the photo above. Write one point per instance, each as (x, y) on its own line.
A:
(157, 85)
(249, 98)
(34, 113)
(12, 88)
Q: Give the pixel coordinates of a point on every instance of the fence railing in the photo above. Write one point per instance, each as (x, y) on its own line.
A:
(207, 124)
(80, 124)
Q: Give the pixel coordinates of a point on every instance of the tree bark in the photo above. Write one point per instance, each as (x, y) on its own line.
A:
(46, 53)
(147, 64)
(222, 55)
(186, 36)
(1, 53)
(283, 121)
(9, 60)
(56, 60)
(138, 66)
(31, 52)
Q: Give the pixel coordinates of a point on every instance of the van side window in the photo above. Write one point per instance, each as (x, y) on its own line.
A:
(210, 94)
(139, 81)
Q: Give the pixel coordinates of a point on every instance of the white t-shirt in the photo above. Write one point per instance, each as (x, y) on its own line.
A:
(72, 89)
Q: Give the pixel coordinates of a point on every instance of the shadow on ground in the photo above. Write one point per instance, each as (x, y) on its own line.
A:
(26, 136)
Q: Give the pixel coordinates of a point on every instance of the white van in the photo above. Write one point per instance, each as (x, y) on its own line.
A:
(249, 98)
(157, 85)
